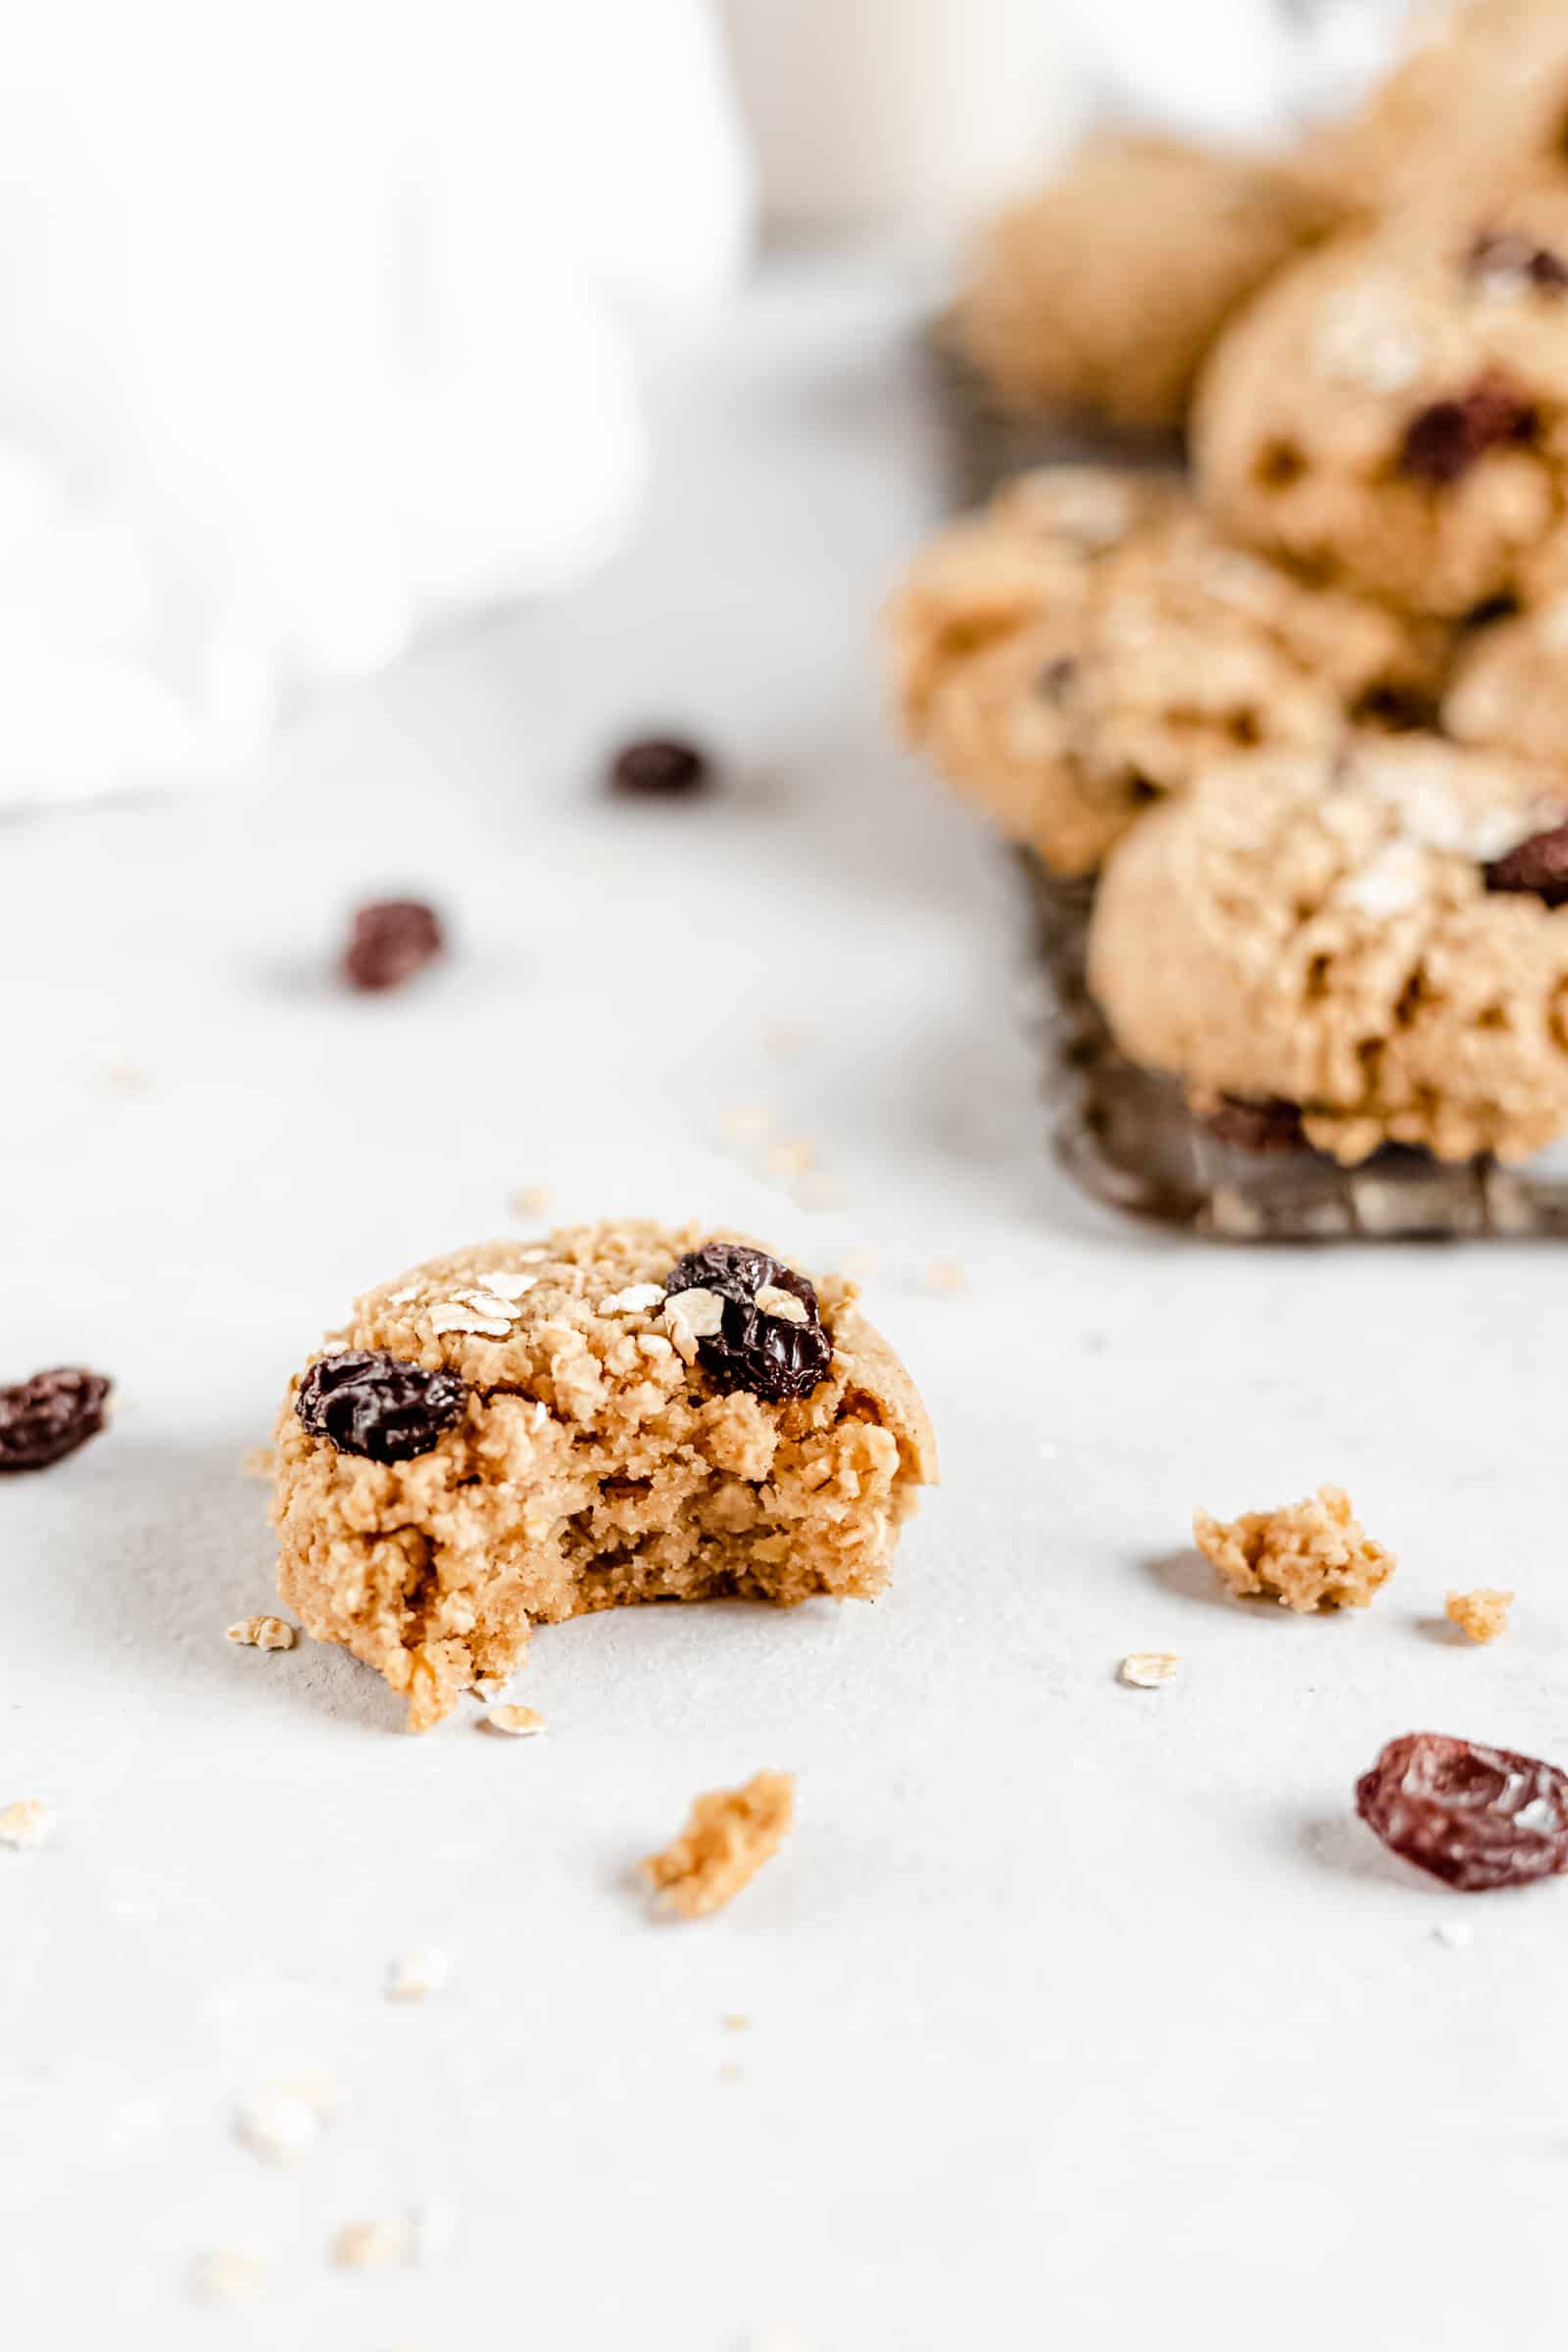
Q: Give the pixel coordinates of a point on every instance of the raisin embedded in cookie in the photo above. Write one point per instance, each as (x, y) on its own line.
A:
(1352, 937)
(519, 1433)
(1101, 294)
(1090, 642)
(1388, 412)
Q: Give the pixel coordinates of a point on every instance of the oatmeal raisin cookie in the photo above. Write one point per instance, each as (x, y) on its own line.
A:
(518, 1434)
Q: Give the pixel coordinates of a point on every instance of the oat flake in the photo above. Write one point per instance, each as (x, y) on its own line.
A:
(511, 1286)
(449, 1315)
(633, 1302)
(422, 1971)
(1149, 1669)
(517, 1723)
(27, 1823)
(263, 1633)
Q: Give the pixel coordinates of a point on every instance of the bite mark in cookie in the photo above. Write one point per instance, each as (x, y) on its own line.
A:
(441, 1489)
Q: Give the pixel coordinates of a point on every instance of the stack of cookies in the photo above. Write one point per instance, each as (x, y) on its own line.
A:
(1301, 720)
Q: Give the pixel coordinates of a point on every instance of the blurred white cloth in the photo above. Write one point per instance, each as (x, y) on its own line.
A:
(1236, 70)
(316, 329)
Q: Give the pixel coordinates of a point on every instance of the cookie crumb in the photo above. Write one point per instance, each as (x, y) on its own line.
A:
(372, 2245)
(729, 1833)
(945, 1275)
(263, 1633)
(27, 1823)
(256, 1461)
(515, 1722)
(737, 2021)
(533, 1201)
(1306, 1555)
(1482, 1614)
(420, 2235)
(1149, 1669)
(422, 1971)
(750, 1124)
(791, 1160)
(281, 2123)
(226, 2276)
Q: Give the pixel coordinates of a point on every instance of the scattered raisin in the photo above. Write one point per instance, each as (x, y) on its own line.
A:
(47, 1417)
(766, 1355)
(391, 940)
(365, 1401)
(658, 769)
(1506, 256)
(1538, 866)
(1254, 1126)
(1442, 442)
(1475, 1817)
(1057, 678)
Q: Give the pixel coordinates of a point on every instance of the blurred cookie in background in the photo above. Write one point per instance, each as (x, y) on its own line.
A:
(1510, 684)
(1480, 92)
(1389, 414)
(1064, 680)
(1101, 295)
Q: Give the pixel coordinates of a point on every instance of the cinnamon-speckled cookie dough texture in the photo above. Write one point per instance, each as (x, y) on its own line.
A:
(593, 1464)
(1391, 411)
(1101, 294)
(1321, 933)
(1062, 682)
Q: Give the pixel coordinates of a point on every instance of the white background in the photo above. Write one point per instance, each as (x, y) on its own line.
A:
(1078, 2012)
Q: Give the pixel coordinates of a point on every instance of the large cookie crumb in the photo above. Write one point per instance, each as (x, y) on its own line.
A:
(729, 1833)
(1482, 1614)
(27, 1823)
(1307, 1555)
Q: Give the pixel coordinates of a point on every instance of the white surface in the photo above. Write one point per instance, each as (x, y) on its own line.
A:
(1078, 2011)
(314, 337)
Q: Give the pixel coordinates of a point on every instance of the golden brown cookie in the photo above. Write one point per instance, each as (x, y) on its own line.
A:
(1102, 294)
(519, 1432)
(1063, 682)
(1509, 689)
(1388, 413)
(1364, 939)
(1479, 94)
